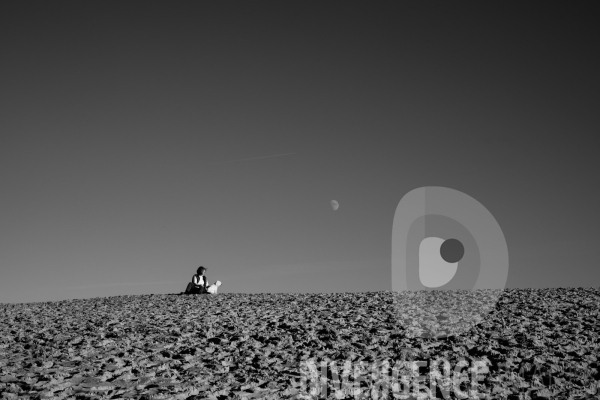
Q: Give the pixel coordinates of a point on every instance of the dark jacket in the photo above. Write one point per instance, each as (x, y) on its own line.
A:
(201, 288)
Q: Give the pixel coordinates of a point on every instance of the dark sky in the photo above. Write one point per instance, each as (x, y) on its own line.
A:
(117, 119)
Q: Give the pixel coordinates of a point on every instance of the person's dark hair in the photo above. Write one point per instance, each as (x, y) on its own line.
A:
(200, 270)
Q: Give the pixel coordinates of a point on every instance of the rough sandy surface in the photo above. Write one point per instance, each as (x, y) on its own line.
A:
(535, 343)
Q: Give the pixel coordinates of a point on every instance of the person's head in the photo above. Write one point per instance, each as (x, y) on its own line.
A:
(201, 270)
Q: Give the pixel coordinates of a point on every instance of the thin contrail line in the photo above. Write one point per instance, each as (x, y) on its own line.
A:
(254, 158)
(121, 284)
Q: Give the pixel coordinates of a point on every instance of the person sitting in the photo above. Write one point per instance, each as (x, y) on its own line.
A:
(199, 283)
(213, 288)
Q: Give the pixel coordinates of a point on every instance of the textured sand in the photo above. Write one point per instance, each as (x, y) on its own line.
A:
(536, 343)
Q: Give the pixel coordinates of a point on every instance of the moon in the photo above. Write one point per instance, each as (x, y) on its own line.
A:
(335, 205)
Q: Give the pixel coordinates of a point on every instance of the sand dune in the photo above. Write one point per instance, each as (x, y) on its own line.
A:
(538, 342)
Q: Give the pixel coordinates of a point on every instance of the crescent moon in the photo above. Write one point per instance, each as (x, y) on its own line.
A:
(335, 205)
